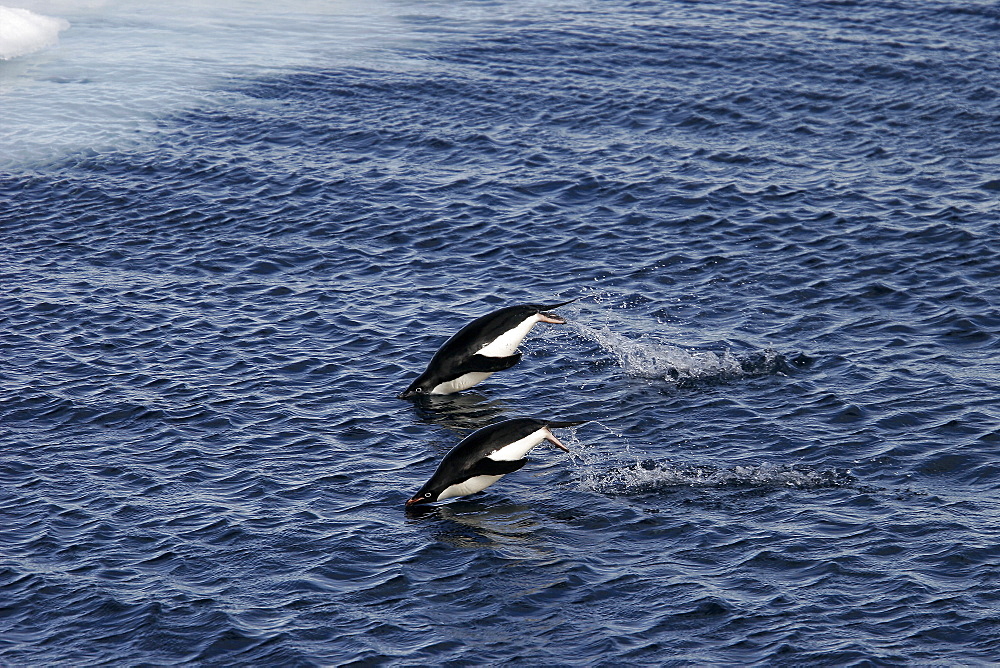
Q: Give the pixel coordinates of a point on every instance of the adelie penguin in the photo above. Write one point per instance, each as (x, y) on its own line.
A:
(485, 456)
(486, 345)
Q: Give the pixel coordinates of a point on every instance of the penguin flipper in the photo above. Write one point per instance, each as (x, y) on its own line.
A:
(487, 466)
(484, 364)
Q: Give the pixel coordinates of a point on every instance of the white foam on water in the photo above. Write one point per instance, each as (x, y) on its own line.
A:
(645, 358)
(625, 471)
(23, 31)
(648, 476)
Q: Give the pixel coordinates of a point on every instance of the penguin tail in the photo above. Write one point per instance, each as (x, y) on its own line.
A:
(556, 424)
(546, 307)
(544, 312)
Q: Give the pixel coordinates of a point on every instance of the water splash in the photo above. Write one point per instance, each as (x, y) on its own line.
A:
(643, 358)
(650, 476)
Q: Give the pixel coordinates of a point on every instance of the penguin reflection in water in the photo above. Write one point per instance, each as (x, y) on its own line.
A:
(486, 345)
(485, 456)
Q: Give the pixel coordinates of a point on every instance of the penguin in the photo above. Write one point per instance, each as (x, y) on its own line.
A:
(486, 345)
(485, 456)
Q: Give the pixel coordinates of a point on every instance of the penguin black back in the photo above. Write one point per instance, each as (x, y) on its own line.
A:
(485, 456)
(484, 346)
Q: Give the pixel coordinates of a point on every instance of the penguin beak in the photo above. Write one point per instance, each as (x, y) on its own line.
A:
(408, 393)
(555, 441)
(415, 500)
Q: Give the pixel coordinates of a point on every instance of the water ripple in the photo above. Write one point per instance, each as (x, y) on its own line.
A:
(778, 225)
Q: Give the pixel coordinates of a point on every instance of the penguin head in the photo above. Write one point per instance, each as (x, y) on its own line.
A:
(420, 387)
(425, 495)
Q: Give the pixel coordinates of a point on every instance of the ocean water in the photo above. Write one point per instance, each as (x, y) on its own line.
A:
(233, 233)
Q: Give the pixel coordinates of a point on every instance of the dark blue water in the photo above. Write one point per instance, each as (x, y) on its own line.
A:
(781, 221)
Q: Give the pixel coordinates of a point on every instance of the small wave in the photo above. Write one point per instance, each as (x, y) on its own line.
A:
(648, 359)
(23, 32)
(651, 476)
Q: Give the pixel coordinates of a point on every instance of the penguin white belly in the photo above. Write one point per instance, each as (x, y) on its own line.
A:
(506, 344)
(470, 486)
(519, 448)
(461, 383)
